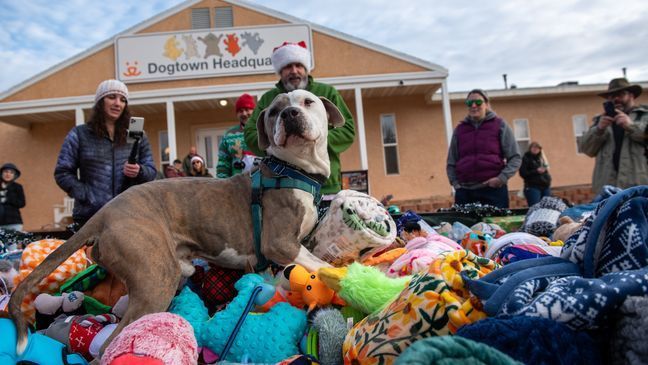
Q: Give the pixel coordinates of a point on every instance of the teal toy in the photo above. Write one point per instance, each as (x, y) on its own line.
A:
(40, 349)
(236, 332)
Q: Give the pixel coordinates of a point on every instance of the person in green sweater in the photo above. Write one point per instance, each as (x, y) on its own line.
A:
(233, 154)
(292, 63)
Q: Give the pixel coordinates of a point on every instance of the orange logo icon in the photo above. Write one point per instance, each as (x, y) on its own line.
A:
(232, 44)
(132, 70)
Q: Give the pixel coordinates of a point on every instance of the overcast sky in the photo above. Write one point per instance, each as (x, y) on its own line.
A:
(536, 43)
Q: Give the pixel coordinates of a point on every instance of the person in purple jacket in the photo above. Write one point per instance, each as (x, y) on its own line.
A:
(483, 155)
(99, 151)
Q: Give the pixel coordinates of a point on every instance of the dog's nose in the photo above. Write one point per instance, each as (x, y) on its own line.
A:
(289, 113)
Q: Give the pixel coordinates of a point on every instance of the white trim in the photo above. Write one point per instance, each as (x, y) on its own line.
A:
(360, 125)
(161, 96)
(447, 117)
(78, 116)
(171, 131)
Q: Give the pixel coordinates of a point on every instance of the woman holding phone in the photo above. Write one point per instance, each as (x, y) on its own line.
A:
(99, 151)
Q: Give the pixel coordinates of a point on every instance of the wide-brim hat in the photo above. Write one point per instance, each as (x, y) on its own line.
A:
(621, 84)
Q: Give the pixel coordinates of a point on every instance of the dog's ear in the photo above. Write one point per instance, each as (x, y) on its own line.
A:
(262, 139)
(333, 114)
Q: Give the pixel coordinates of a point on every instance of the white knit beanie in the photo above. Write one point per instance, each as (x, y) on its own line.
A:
(289, 53)
(108, 87)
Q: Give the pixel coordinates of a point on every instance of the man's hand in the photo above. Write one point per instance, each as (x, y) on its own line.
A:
(494, 182)
(622, 119)
(604, 122)
(131, 170)
(541, 170)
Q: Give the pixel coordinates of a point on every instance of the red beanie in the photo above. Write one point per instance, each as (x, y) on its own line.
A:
(245, 101)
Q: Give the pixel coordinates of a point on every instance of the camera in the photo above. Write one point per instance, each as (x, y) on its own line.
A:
(609, 108)
(239, 165)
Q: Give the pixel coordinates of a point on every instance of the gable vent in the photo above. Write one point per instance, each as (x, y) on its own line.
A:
(200, 18)
(223, 17)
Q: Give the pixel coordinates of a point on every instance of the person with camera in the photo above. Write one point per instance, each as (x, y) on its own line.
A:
(233, 154)
(99, 151)
(617, 139)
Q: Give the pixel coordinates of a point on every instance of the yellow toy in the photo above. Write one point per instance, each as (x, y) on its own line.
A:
(306, 290)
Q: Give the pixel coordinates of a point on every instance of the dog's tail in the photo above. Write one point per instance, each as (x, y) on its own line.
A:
(48, 265)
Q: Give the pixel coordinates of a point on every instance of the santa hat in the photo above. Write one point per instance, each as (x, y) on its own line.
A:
(289, 53)
(197, 158)
(165, 337)
(245, 101)
(111, 87)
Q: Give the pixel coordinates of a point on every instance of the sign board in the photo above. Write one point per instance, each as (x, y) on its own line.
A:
(204, 53)
(356, 180)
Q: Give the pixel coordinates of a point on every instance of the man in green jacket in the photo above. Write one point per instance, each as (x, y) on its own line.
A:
(292, 62)
(617, 141)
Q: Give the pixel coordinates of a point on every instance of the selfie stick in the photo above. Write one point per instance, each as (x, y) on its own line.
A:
(136, 135)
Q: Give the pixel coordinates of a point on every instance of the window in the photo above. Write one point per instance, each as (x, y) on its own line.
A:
(223, 17)
(390, 143)
(200, 18)
(164, 148)
(579, 122)
(521, 132)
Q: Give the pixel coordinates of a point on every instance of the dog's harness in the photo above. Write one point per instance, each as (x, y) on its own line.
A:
(285, 176)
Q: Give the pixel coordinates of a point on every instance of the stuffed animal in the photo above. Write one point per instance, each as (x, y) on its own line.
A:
(307, 290)
(363, 287)
(260, 337)
(566, 228)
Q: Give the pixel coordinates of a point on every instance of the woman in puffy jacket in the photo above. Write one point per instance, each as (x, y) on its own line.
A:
(535, 173)
(99, 151)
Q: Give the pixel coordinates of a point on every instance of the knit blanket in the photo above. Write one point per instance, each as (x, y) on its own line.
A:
(354, 222)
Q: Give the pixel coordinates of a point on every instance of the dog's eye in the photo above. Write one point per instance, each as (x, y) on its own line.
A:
(272, 112)
(308, 101)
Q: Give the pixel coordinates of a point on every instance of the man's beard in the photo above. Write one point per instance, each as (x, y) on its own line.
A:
(290, 87)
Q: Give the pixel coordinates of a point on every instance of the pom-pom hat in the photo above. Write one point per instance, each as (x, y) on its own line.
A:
(245, 101)
(289, 53)
(108, 87)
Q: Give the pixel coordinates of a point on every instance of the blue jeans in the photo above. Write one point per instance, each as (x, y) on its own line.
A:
(497, 197)
(533, 195)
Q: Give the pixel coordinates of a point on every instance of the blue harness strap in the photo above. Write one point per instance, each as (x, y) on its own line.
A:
(284, 177)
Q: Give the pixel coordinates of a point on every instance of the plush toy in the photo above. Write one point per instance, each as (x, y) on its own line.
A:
(307, 290)
(258, 337)
(566, 228)
(40, 349)
(363, 287)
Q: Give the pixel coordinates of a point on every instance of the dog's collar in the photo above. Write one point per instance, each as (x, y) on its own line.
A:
(281, 167)
(284, 177)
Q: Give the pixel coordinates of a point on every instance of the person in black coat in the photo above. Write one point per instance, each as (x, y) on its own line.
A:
(12, 198)
(535, 173)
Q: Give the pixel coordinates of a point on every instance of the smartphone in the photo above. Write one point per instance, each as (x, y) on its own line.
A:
(609, 108)
(135, 128)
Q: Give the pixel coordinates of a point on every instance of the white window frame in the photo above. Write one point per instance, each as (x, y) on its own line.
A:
(394, 144)
(526, 139)
(582, 128)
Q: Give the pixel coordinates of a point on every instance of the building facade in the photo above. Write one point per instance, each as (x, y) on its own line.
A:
(185, 68)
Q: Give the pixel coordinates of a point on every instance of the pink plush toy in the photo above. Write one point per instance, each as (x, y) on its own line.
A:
(421, 251)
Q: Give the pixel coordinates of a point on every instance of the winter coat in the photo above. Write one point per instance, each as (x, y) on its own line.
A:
(12, 198)
(529, 172)
(633, 168)
(339, 139)
(100, 163)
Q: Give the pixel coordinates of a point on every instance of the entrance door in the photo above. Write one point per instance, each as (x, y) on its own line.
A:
(207, 141)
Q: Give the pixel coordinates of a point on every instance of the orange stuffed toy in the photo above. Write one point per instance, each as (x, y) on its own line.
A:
(306, 290)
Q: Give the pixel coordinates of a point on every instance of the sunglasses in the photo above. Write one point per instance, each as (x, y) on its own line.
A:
(470, 102)
(196, 163)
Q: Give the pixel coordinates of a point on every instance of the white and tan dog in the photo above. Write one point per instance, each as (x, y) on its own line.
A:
(148, 235)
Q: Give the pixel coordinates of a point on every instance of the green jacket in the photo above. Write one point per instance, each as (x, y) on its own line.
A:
(633, 168)
(339, 139)
(232, 149)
